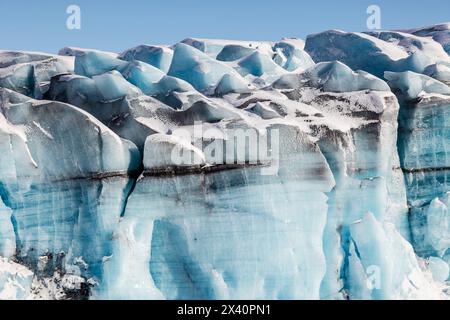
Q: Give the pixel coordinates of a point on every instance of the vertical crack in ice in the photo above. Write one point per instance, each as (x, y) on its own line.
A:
(128, 191)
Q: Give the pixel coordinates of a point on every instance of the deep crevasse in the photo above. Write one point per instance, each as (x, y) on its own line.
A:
(336, 221)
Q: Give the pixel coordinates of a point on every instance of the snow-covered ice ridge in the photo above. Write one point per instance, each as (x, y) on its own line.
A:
(93, 205)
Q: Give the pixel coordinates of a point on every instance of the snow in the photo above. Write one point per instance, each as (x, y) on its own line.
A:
(76, 51)
(15, 280)
(263, 110)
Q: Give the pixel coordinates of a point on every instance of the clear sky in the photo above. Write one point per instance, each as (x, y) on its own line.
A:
(117, 25)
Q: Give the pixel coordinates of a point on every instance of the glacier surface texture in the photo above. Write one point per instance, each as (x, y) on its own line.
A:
(220, 169)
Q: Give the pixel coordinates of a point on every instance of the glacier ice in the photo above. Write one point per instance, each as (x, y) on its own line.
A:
(411, 44)
(157, 56)
(439, 72)
(112, 86)
(260, 65)
(439, 269)
(233, 52)
(353, 49)
(30, 73)
(230, 84)
(440, 33)
(185, 252)
(92, 63)
(123, 176)
(44, 161)
(197, 68)
(290, 55)
(413, 85)
(332, 77)
(370, 240)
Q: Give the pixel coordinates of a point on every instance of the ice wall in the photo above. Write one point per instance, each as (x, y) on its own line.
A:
(414, 63)
(125, 176)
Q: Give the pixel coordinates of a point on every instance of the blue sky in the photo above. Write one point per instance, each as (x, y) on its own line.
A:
(117, 25)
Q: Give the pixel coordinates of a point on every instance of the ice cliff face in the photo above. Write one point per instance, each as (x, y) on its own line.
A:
(217, 169)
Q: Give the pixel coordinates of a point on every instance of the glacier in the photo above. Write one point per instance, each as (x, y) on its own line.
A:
(222, 169)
